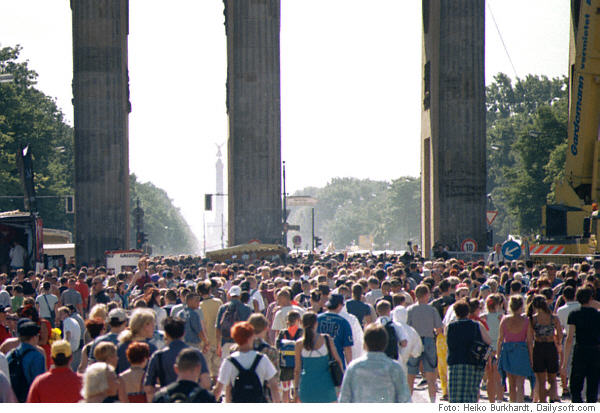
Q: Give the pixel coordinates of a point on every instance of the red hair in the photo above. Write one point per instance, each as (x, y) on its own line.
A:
(242, 332)
(137, 352)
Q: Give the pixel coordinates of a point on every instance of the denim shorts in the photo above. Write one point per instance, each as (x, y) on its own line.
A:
(429, 358)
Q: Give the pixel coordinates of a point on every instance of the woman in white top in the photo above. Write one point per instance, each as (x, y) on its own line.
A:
(246, 357)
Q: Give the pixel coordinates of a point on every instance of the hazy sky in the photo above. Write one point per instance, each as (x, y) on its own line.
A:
(350, 73)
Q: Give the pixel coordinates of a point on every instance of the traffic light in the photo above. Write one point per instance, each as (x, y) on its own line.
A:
(208, 202)
(140, 240)
(318, 242)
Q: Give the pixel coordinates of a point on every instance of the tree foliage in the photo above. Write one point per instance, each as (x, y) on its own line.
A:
(348, 208)
(526, 135)
(27, 115)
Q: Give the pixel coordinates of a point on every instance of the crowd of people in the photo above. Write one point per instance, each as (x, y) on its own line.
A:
(317, 328)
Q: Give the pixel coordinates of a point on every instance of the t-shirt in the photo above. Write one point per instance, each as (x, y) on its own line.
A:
(228, 372)
(59, 385)
(83, 289)
(16, 303)
(358, 309)
(280, 320)
(441, 304)
(372, 296)
(210, 307)
(423, 318)
(256, 296)
(71, 297)
(339, 329)
(183, 389)
(193, 325)
(4, 298)
(587, 326)
(46, 308)
(71, 325)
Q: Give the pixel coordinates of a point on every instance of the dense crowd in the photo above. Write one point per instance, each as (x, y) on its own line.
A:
(317, 328)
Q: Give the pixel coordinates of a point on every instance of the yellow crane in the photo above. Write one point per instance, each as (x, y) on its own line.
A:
(570, 224)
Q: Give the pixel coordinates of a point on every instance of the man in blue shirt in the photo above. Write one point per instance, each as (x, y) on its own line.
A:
(160, 367)
(337, 327)
(194, 331)
(32, 359)
(229, 314)
(374, 377)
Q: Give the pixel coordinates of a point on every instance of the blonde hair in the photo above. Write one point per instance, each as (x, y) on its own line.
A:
(104, 351)
(99, 311)
(139, 318)
(95, 380)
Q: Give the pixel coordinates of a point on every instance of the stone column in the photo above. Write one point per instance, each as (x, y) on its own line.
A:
(453, 123)
(101, 108)
(253, 106)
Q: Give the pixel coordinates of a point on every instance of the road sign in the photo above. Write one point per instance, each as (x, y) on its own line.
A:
(297, 240)
(511, 250)
(301, 200)
(491, 216)
(468, 245)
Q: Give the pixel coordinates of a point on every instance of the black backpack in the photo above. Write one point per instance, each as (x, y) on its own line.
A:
(230, 316)
(247, 387)
(392, 346)
(18, 380)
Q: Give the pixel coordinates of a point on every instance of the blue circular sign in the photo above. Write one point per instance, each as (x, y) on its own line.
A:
(511, 250)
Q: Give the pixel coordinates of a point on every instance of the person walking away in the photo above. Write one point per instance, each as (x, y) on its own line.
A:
(375, 377)
(358, 308)
(60, 384)
(229, 314)
(194, 331)
(515, 346)
(132, 378)
(312, 377)
(245, 372)
(160, 368)
(189, 365)
(338, 328)
(493, 316)
(464, 374)
(395, 333)
(26, 361)
(100, 384)
(117, 322)
(47, 303)
(584, 329)
(546, 332)
(563, 314)
(260, 324)
(94, 327)
(71, 296)
(426, 320)
(72, 333)
(210, 308)
(141, 328)
(286, 344)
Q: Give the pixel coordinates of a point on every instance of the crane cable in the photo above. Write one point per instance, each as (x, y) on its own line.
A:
(502, 39)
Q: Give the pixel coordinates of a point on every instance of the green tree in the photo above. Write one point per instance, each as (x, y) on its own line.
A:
(526, 122)
(29, 116)
(168, 232)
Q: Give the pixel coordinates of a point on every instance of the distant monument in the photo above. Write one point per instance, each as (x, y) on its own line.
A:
(216, 231)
